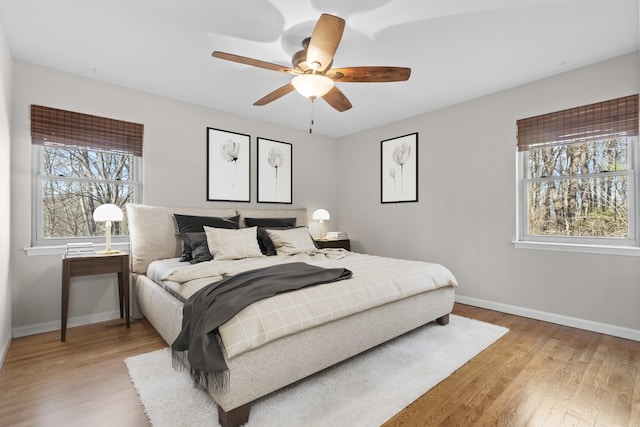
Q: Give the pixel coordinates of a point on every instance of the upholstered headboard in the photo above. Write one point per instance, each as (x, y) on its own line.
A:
(153, 233)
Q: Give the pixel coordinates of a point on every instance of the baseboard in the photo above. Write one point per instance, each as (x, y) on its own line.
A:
(574, 322)
(39, 328)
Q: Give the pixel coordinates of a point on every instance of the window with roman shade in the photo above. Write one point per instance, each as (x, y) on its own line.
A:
(578, 179)
(83, 161)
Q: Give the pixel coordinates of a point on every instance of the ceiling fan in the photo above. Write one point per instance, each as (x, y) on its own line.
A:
(314, 77)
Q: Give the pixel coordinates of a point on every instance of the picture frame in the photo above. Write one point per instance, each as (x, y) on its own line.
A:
(399, 169)
(228, 166)
(275, 171)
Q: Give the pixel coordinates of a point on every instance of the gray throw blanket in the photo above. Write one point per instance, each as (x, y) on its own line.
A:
(197, 345)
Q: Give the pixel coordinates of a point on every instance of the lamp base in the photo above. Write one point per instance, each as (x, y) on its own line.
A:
(109, 252)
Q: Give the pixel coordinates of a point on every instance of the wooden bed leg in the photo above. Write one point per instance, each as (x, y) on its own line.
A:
(444, 320)
(235, 417)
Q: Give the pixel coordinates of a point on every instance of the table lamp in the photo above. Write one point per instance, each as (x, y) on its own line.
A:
(321, 215)
(107, 213)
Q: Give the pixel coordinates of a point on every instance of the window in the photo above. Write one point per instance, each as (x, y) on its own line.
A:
(578, 175)
(82, 161)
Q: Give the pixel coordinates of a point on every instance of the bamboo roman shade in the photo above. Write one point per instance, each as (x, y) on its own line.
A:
(608, 119)
(51, 126)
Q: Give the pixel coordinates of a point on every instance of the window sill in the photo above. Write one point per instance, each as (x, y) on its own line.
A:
(572, 247)
(60, 249)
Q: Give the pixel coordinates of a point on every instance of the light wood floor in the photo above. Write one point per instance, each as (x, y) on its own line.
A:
(538, 374)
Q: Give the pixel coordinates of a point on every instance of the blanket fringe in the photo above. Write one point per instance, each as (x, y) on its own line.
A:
(212, 382)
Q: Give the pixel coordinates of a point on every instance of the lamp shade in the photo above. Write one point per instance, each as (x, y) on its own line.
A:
(312, 85)
(321, 214)
(107, 212)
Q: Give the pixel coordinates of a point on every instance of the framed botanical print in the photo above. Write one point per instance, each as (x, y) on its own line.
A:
(275, 171)
(399, 169)
(228, 166)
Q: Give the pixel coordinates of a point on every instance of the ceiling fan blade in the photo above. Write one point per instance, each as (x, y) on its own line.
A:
(324, 41)
(337, 99)
(278, 93)
(369, 74)
(253, 62)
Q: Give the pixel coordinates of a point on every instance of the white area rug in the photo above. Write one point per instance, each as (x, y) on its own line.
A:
(365, 391)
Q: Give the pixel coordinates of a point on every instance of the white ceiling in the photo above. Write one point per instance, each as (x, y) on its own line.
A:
(457, 49)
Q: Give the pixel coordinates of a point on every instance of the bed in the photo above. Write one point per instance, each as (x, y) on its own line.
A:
(263, 362)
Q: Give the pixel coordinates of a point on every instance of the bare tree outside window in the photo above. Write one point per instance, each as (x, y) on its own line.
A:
(579, 189)
(75, 181)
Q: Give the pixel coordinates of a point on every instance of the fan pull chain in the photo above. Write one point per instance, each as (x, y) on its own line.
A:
(311, 118)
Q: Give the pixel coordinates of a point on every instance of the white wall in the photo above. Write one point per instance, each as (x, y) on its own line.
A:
(174, 174)
(466, 214)
(5, 192)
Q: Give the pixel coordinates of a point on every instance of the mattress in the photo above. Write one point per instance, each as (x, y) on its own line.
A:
(376, 281)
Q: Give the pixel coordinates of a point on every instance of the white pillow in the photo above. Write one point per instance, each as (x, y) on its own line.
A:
(231, 243)
(291, 241)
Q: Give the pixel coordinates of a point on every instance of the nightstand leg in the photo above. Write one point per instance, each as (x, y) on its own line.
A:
(120, 295)
(125, 289)
(123, 282)
(65, 300)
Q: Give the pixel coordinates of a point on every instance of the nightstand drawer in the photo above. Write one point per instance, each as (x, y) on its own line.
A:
(94, 265)
(343, 243)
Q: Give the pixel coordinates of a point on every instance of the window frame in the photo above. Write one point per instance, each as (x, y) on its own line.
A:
(53, 245)
(633, 239)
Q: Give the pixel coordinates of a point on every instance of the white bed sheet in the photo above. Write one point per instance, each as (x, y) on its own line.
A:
(160, 268)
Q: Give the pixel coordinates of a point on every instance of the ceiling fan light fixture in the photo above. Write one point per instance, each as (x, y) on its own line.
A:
(312, 85)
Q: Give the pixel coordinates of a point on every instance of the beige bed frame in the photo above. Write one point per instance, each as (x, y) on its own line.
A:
(254, 374)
